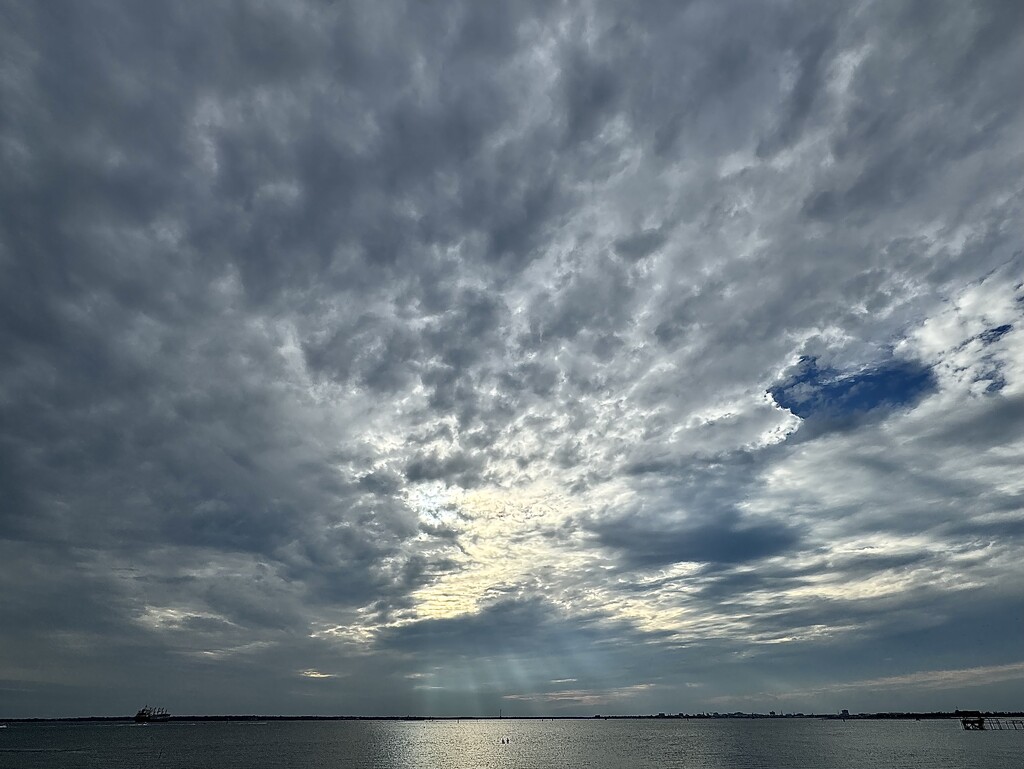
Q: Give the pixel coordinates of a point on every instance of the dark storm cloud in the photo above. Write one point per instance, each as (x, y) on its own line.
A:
(639, 245)
(721, 541)
(700, 524)
(299, 302)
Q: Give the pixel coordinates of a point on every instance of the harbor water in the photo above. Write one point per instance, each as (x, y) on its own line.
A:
(497, 744)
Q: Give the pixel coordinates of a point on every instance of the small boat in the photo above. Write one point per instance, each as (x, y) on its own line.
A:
(148, 715)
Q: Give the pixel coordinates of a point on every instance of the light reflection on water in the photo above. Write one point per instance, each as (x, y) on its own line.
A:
(589, 744)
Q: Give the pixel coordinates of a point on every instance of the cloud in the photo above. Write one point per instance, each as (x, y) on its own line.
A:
(583, 697)
(934, 679)
(384, 341)
(721, 541)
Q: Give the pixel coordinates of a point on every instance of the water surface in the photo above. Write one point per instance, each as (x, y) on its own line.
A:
(585, 744)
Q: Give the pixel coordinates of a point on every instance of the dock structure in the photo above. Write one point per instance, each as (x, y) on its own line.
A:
(990, 723)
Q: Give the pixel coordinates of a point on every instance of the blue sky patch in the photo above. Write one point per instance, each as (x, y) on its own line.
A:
(993, 334)
(814, 391)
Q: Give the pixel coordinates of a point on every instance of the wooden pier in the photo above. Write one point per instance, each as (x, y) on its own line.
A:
(990, 723)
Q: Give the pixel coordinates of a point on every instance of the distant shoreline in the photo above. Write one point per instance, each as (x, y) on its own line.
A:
(881, 716)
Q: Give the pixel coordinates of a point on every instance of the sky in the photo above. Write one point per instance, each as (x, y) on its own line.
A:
(545, 357)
